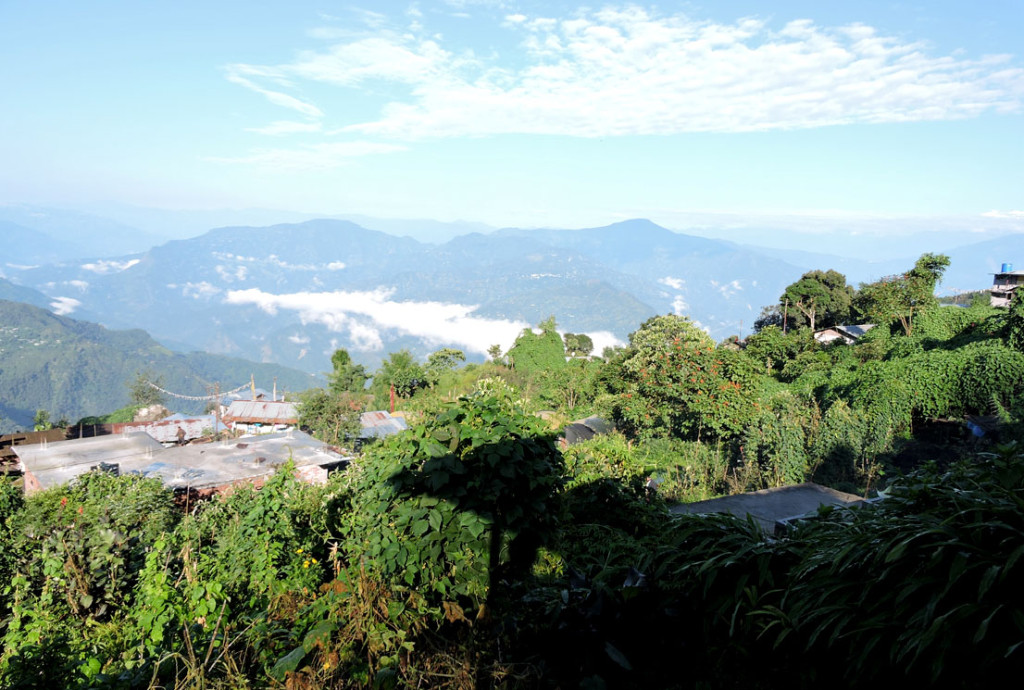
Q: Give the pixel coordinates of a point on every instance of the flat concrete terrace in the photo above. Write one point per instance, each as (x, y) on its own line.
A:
(770, 506)
(197, 466)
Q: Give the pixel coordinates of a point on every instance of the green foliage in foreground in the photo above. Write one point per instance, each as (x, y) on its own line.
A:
(379, 579)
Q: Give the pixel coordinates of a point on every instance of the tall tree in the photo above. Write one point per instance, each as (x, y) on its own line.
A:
(347, 376)
(676, 383)
(532, 352)
(332, 418)
(578, 344)
(140, 391)
(822, 297)
(901, 297)
(400, 370)
(442, 361)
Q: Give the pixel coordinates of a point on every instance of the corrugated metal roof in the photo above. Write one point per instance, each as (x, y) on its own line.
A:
(261, 412)
(378, 424)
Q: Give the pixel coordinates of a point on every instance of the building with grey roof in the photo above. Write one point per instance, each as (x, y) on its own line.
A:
(215, 465)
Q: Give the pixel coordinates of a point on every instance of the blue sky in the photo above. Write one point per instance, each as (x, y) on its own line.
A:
(519, 113)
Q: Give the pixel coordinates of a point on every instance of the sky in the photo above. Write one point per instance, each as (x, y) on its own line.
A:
(519, 113)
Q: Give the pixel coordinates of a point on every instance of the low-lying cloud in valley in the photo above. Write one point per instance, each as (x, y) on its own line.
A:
(365, 315)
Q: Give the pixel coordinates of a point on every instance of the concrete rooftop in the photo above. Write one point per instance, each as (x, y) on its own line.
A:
(772, 505)
(197, 466)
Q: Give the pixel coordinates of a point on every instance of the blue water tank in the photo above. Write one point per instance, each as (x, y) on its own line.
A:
(1006, 268)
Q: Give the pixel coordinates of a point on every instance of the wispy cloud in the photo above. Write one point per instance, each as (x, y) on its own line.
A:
(1004, 214)
(62, 306)
(365, 316)
(246, 75)
(630, 71)
(109, 266)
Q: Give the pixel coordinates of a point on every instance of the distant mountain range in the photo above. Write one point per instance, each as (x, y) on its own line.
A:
(74, 368)
(291, 293)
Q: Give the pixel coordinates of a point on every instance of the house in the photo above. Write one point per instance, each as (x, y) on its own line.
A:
(211, 467)
(1004, 285)
(261, 416)
(848, 334)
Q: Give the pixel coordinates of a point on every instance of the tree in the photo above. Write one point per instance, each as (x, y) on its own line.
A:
(461, 502)
(773, 348)
(441, 361)
(822, 297)
(570, 385)
(347, 376)
(578, 344)
(332, 418)
(533, 353)
(900, 297)
(494, 352)
(141, 391)
(676, 383)
(400, 370)
(41, 421)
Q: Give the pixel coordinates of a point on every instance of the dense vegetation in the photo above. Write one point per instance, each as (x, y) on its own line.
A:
(472, 551)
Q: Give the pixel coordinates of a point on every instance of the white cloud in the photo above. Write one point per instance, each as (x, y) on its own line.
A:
(679, 306)
(310, 157)
(603, 339)
(80, 284)
(298, 339)
(335, 266)
(1004, 214)
(675, 283)
(201, 290)
(110, 266)
(244, 75)
(364, 315)
(630, 71)
(729, 289)
(229, 276)
(62, 306)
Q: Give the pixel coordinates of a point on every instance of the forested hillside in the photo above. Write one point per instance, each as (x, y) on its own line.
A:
(74, 369)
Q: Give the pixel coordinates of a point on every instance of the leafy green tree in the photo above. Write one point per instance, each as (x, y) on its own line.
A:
(331, 417)
(678, 384)
(347, 376)
(534, 353)
(571, 385)
(141, 393)
(494, 352)
(441, 362)
(41, 421)
(773, 348)
(822, 297)
(400, 370)
(459, 502)
(901, 297)
(578, 344)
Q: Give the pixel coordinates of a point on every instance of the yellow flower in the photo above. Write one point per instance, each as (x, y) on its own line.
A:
(298, 551)
(315, 561)
(305, 564)
(327, 665)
